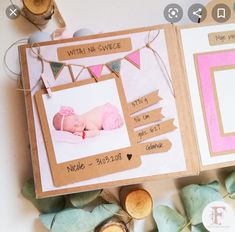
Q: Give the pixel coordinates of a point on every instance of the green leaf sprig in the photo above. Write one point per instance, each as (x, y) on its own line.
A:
(194, 198)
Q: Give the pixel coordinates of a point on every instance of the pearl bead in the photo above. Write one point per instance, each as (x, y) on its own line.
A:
(38, 37)
(83, 32)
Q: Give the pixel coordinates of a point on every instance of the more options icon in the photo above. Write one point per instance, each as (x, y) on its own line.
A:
(221, 13)
(173, 13)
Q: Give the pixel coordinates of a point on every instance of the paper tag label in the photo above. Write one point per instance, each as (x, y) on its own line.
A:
(155, 130)
(144, 102)
(220, 38)
(94, 166)
(94, 49)
(154, 147)
(146, 118)
(112, 162)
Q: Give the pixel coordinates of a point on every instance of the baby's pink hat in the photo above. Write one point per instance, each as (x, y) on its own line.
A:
(58, 119)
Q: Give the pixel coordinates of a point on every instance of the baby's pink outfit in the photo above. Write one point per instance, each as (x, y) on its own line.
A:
(111, 117)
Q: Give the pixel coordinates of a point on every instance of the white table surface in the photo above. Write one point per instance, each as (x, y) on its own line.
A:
(16, 213)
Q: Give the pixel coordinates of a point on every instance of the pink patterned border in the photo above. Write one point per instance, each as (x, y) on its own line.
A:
(219, 144)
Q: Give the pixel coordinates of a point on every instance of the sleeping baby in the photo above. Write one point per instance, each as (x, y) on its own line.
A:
(105, 117)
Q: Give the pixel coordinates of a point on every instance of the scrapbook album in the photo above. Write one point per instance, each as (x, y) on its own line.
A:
(131, 106)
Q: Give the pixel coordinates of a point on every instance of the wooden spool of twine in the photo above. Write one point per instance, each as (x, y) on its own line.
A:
(38, 11)
(112, 225)
(136, 201)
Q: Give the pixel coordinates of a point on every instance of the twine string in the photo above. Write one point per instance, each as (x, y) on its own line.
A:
(9, 69)
(121, 214)
(23, 41)
(163, 68)
(160, 62)
(83, 68)
(30, 90)
(20, 41)
(18, 79)
(154, 38)
(40, 58)
(37, 54)
(43, 60)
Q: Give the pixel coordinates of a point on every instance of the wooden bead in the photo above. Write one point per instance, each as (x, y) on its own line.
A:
(137, 203)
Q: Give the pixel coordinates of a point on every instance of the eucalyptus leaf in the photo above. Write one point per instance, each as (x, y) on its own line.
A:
(196, 197)
(215, 185)
(168, 220)
(199, 228)
(232, 196)
(45, 205)
(71, 220)
(105, 211)
(80, 200)
(74, 220)
(230, 183)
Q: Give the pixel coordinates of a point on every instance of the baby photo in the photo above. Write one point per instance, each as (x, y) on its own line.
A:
(86, 120)
(89, 124)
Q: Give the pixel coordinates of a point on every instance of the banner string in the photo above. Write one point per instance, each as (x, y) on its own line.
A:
(148, 45)
(162, 66)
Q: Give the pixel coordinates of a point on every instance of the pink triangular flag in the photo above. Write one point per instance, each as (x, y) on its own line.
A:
(96, 70)
(134, 58)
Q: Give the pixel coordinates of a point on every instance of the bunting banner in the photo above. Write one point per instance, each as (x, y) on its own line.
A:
(96, 70)
(134, 58)
(114, 66)
(56, 68)
(75, 71)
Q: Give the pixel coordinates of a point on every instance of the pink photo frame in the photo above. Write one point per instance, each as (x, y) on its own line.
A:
(206, 64)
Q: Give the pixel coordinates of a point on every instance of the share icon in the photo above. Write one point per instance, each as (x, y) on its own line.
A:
(197, 13)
